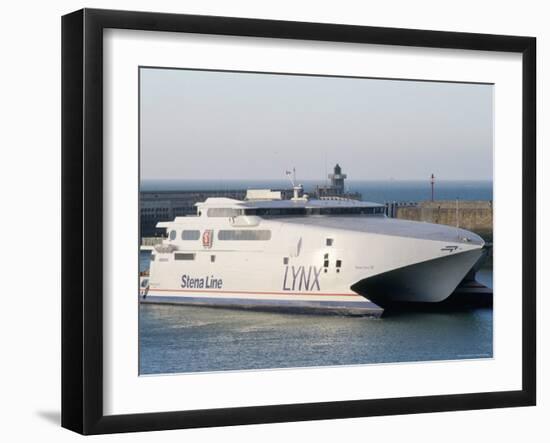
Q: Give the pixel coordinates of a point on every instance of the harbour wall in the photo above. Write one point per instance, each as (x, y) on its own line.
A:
(475, 216)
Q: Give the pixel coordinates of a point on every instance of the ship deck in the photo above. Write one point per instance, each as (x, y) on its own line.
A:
(388, 226)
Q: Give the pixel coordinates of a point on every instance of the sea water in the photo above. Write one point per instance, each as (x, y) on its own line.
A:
(176, 339)
(375, 191)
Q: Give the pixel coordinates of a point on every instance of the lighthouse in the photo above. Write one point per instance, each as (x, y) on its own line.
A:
(337, 188)
(337, 180)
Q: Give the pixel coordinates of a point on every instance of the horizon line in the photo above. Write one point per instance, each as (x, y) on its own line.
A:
(316, 179)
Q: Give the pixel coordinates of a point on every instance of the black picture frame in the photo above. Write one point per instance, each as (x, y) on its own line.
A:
(82, 215)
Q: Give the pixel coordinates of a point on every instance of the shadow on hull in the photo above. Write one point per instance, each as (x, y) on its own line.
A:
(458, 301)
(367, 310)
(399, 290)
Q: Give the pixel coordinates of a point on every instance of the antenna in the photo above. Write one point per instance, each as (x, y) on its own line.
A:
(457, 235)
(292, 176)
(326, 170)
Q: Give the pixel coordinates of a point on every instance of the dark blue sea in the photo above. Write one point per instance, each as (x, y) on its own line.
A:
(177, 339)
(375, 191)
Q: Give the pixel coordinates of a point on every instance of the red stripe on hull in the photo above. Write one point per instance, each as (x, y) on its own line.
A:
(257, 292)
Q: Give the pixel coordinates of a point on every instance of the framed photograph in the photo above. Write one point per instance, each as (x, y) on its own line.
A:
(269, 221)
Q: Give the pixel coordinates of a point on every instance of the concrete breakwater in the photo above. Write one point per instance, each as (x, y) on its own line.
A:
(475, 216)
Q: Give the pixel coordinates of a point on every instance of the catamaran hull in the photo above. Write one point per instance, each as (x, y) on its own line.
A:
(430, 281)
(333, 264)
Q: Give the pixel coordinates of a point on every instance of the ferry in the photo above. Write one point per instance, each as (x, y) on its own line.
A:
(301, 254)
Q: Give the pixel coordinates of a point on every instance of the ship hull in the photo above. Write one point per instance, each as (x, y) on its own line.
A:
(337, 264)
(431, 281)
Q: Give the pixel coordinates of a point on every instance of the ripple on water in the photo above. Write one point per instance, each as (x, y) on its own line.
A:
(191, 339)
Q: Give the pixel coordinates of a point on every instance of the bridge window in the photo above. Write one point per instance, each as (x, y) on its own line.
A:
(338, 265)
(330, 241)
(304, 211)
(285, 260)
(244, 235)
(172, 235)
(212, 258)
(190, 234)
(184, 256)
(223, 212)
(274, 212)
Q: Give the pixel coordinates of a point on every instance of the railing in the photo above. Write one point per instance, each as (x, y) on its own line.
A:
(391, 207)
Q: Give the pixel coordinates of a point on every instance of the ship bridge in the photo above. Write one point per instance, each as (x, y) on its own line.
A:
(225, 207)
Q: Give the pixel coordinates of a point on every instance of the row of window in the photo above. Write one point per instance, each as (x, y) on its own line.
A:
(244, 235)
(233, 234)
(186, 234)
(236, 234)
(274, 212)
(314, 211)
(155, 210)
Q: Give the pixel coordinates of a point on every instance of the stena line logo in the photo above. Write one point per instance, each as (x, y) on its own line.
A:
(209, 282)
(301, 278)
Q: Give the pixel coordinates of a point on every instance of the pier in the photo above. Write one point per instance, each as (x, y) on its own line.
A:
(473, 215)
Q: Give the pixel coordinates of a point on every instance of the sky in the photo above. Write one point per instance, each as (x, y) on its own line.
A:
(232, 125)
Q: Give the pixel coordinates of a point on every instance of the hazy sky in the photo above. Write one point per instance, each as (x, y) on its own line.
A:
(206, 125)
